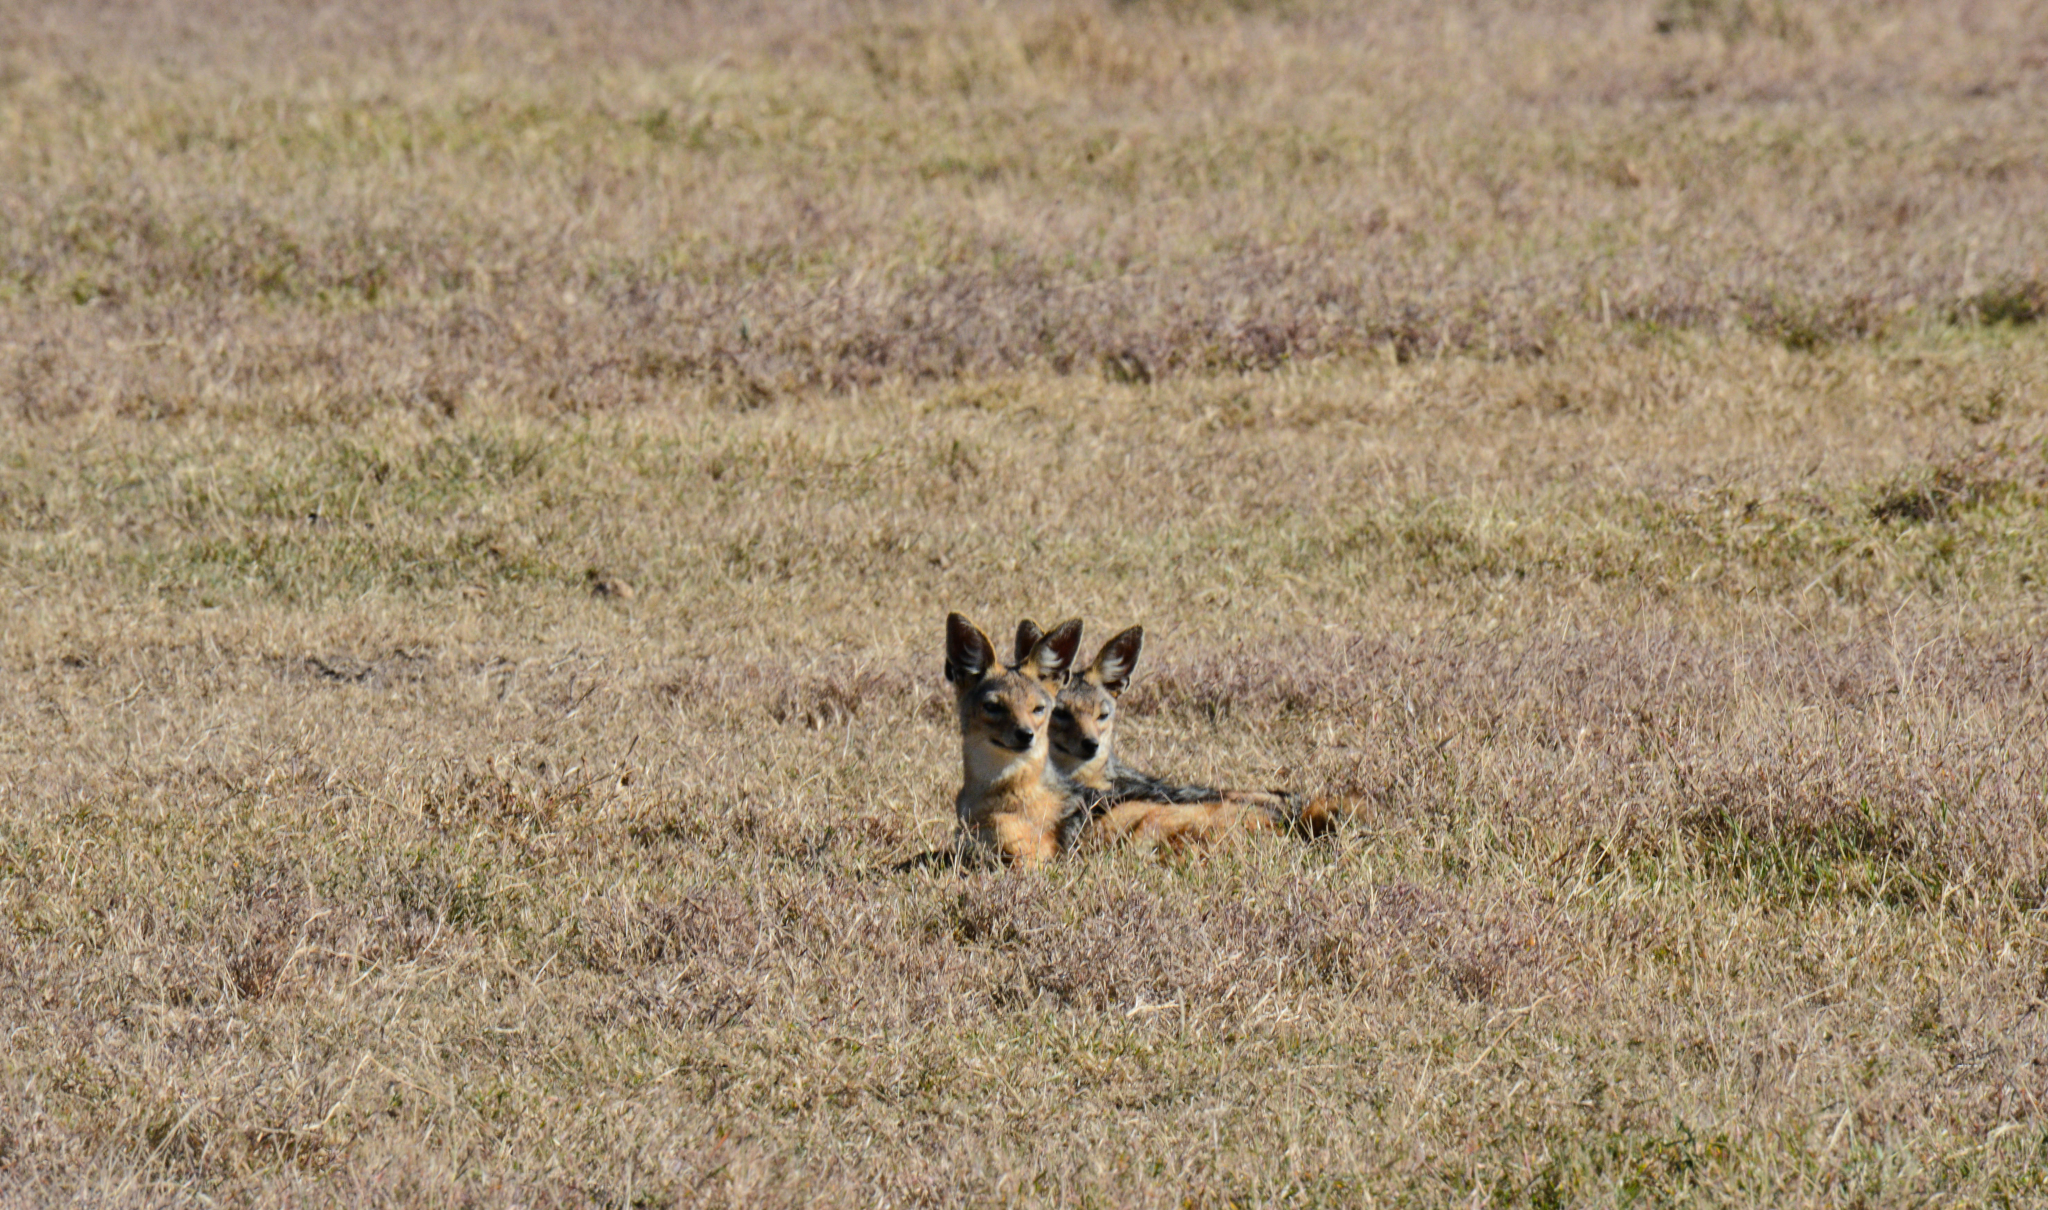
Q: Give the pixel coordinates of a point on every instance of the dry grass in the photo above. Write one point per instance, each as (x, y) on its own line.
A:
(482, 488)
(510, 207)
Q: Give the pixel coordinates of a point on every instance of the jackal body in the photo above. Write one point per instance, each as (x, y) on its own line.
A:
(1134, 805)
(1083, 732)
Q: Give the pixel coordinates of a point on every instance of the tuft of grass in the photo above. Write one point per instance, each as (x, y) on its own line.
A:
(2015, 301)
(1733, 20)
(2001, 480)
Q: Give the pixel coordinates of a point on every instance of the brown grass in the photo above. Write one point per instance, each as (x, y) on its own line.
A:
(482, 487)
(506, 207)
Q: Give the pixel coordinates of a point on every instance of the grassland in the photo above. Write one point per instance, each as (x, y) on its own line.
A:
(480, 487)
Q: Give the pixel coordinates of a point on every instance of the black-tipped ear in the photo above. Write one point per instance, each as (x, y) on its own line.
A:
(1028, 635)
(969, 654)
(1053, 655)
(1112, 668)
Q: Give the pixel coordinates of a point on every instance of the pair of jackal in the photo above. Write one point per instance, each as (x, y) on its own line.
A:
(1037, 740)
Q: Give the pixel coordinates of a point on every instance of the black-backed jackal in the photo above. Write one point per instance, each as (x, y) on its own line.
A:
(1012, 802)
(1084, 725)
(1016, 803)
(1083, 737)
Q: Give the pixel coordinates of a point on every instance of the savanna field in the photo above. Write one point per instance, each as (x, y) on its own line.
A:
(481, 487)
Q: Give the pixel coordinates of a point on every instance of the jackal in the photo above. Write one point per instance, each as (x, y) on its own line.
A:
(1083, 738)
(1084, 726)
(1012, 801)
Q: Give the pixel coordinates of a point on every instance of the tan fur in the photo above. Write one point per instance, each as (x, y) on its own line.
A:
(1168, 828)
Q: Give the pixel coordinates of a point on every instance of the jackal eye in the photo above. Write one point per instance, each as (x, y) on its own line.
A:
(992, 707)
(1062, 716)
(1106, 712)
(1038, 711)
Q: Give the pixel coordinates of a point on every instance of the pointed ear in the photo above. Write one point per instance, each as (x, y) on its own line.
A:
(1028, 635)
(1053, 655)
(1112, 668)
(969, 654)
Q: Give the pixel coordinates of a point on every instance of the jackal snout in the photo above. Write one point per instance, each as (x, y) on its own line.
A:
(1016, 738)
(1081, 747)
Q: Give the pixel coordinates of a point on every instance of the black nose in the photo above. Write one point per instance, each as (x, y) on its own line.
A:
(1086, 748)
(1021, 737)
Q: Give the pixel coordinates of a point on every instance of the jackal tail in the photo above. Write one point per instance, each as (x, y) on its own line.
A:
(1295, 813)
(1318, 816)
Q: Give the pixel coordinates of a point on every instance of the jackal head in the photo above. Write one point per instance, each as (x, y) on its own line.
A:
(1004, 708)
(1083, 731)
